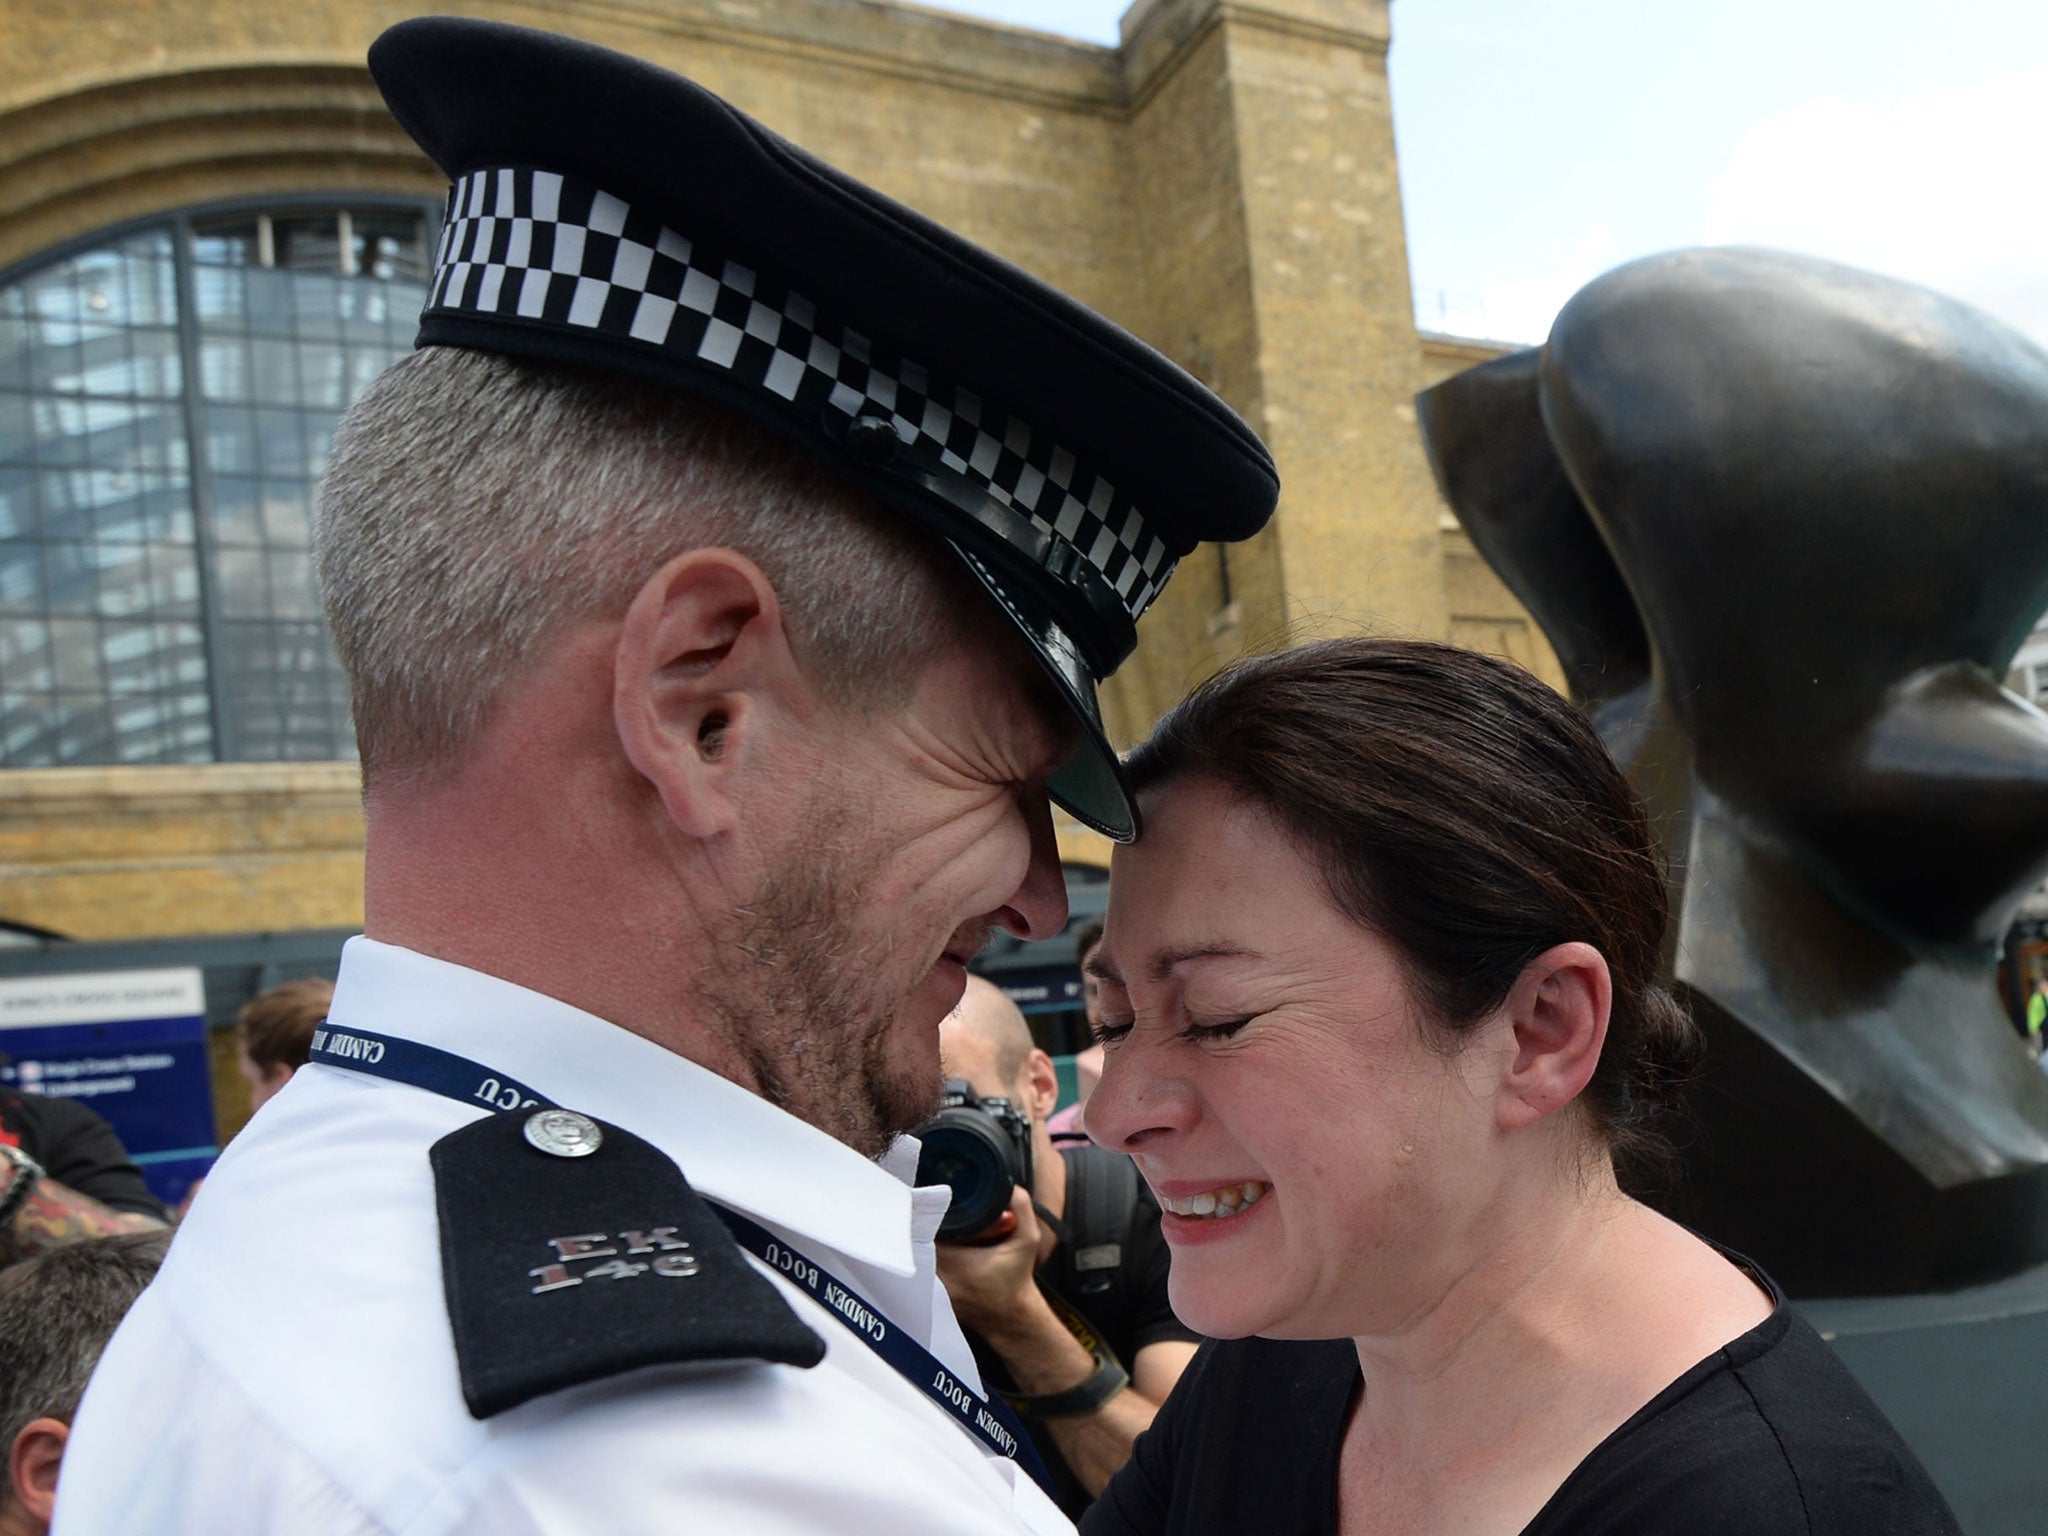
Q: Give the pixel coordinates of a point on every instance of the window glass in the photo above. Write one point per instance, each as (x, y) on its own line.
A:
(21, 592)
(19, 516)
(156, 451)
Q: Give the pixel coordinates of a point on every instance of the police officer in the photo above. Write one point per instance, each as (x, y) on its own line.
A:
(723, 588)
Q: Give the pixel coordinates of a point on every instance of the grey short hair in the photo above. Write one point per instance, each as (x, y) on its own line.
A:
(474, 505)
(57, 1312)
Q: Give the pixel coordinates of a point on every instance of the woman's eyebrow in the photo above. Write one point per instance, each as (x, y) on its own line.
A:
(1164, 962)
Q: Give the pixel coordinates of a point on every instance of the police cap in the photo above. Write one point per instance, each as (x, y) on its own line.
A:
(611, 215)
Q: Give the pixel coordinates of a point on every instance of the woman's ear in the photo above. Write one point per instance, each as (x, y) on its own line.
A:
(1558, 1012)
(701, 651)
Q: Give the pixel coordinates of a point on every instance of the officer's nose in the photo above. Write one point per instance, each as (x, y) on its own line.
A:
(1037, 909)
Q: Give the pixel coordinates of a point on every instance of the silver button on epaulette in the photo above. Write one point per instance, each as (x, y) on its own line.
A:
(563, 1133)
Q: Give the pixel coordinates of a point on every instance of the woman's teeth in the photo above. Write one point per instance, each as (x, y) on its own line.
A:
(1218, 1202)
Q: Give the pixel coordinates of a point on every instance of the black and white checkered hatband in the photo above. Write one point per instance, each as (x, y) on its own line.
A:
(532, 246)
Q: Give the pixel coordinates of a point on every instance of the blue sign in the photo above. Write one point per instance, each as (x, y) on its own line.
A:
(132, 1044)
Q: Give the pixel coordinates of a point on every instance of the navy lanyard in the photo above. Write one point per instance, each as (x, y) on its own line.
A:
(989, 1420)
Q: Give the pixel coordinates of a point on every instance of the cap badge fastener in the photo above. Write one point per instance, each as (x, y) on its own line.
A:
(872, 440)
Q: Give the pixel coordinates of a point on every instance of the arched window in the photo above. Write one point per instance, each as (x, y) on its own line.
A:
(168, 394)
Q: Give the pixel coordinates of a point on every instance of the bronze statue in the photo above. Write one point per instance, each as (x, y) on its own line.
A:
(1785, 524)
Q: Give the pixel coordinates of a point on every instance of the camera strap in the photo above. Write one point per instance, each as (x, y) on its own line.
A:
(990, 1421)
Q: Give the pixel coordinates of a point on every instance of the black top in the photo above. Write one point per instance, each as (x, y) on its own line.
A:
(75, 1146)
(1767, 1435)
(1126, 1304)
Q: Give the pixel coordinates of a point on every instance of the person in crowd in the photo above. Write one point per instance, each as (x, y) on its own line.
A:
(1385, 1037)
(65, 1177)
(274, 1033)
(723, 588)
(1066, 1123)
(1085, 1241)
(273, 1037)
(57, 1312)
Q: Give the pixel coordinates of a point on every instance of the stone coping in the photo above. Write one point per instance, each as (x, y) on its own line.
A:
(47, 792)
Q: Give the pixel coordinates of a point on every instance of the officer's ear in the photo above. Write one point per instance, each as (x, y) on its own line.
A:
(701, 660)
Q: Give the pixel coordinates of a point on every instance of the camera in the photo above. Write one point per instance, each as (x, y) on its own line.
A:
(981, 1150)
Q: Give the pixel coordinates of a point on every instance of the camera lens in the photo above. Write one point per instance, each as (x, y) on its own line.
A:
(964, 1150)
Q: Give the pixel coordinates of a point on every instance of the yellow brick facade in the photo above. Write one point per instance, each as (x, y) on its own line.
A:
(1223, 184)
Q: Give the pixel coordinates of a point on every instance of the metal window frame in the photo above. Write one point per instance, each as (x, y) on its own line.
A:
(179, 223)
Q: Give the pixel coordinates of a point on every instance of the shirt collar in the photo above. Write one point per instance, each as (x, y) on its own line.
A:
(732, 1145)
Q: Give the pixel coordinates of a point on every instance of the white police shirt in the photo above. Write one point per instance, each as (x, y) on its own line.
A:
(292, 1369)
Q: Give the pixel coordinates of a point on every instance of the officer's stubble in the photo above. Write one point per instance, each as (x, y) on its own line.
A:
(797, 992)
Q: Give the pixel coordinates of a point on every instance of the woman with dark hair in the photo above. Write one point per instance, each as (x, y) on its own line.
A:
(1385, 1036)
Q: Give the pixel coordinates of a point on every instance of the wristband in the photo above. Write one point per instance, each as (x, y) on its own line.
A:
(27, 1174)
(1104, 1382)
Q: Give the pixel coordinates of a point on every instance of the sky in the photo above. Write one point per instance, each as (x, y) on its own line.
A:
(1542, 142)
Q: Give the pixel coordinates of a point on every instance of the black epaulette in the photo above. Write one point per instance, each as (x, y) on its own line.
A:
(572, 1251)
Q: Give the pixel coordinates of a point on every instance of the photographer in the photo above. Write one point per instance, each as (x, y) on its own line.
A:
(1091, 1246)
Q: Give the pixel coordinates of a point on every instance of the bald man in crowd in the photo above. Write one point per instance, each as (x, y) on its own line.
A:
(1086, 1239)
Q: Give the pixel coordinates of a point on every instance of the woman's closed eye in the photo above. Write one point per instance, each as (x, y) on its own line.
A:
(1109, 1031)
(1222, 1029)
